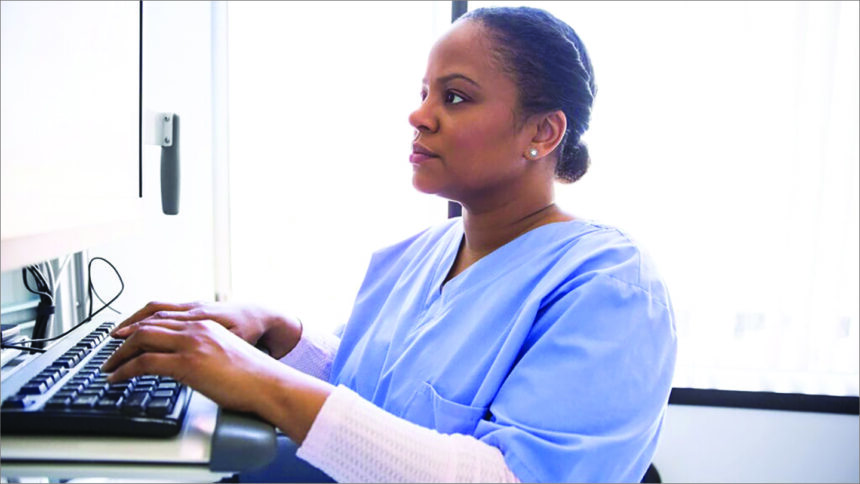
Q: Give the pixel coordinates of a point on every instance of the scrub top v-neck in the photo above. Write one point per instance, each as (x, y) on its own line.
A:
(558, 347)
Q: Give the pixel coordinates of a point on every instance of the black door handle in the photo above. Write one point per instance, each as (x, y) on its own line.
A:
(170, 173)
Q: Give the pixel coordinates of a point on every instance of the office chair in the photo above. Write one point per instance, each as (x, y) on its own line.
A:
(651, 475)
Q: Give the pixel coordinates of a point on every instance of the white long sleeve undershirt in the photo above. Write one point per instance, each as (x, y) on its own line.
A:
(353, 440)
(313, 354)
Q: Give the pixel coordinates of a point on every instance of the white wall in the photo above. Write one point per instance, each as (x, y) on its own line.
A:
(713, 444)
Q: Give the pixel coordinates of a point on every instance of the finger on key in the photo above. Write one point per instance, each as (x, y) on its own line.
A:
(132, 328)
(152, 308)
(146, 364)
(192, 314)
(147, 338)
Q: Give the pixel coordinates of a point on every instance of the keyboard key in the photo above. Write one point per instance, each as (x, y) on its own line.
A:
(75, 353)
(35, 388)
(85, 401)
(73, 359)
(145, 384)
(57, 372)
(64, 362)
(49, 373)
(63, 393)
(58, 401)
(122, 385)
(48, 379)
(92, 391)
(109, 403)
(81, 377)
(162, 394)
(117, 393)
(101, 385)
(57, 368)
(17, 401)
(136, 402)
(74, 386)
(159, 407)
(170, 385)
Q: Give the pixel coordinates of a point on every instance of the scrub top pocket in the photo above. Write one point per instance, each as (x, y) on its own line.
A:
(429, 409)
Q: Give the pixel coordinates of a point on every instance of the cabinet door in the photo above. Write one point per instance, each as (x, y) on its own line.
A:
(70, 126)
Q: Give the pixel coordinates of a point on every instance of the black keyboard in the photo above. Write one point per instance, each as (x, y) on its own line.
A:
(64, 392)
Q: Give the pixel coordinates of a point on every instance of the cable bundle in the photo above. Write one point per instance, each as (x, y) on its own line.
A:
(45, 289)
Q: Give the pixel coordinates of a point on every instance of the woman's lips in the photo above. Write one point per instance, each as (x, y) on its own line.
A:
(418, 158)
(420, 154)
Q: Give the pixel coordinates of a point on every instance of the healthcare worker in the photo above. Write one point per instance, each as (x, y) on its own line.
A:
(518, 342)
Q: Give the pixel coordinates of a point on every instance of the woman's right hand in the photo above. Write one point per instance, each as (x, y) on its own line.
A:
(253, 324)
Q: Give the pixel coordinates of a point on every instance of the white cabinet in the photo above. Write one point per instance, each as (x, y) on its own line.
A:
(171, 257)
(69, 80)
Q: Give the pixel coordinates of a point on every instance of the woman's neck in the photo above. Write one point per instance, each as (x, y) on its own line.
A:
(486, 231)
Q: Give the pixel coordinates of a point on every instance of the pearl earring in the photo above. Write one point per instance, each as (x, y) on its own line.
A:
(533, 152)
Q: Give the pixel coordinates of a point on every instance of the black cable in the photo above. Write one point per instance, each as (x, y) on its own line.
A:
(103, 302)
(42, 288)
(23, 348)
(90, 317)
(45, 308)
(91, 290)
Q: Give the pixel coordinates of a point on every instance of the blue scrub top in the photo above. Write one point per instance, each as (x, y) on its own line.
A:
(558, 348)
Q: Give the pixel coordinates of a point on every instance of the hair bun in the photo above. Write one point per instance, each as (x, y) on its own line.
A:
(573, 162)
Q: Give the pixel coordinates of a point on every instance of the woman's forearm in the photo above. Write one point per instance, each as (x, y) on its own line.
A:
(281, 335)
(290, 400)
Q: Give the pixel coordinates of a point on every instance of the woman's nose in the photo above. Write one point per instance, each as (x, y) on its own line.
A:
(423, 119)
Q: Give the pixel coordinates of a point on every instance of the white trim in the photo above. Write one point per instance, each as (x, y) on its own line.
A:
(221, 154)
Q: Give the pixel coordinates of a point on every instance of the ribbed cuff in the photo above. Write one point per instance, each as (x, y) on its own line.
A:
(313, 354)
(353, 440)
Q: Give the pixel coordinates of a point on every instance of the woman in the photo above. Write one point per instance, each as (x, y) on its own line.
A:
(516, 343)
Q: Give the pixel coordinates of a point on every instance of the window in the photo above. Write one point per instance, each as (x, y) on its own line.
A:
(319, 96)
(724, 139)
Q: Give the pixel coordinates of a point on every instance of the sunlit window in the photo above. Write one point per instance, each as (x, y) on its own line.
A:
(319, 96)
(724, 139)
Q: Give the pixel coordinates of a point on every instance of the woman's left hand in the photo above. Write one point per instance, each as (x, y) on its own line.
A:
(219, 364)
(201, 354)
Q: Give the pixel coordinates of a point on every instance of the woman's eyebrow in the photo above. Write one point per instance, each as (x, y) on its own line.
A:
(449, 77)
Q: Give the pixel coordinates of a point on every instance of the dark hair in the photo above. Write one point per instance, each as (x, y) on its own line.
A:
(552, 71)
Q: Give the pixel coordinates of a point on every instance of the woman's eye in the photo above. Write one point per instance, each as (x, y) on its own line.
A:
(453, 98)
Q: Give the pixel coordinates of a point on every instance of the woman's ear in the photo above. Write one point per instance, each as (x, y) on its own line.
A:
(549, 133)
